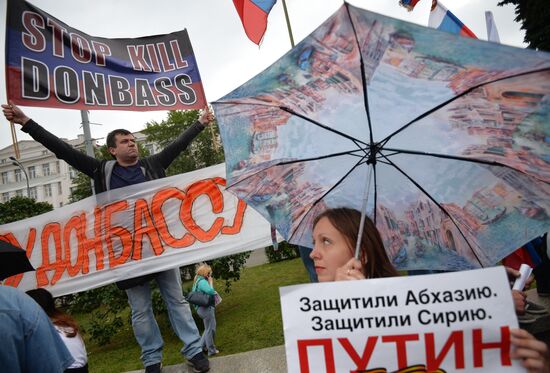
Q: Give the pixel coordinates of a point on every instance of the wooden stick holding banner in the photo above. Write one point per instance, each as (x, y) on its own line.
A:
(214, 140)
(14, 140)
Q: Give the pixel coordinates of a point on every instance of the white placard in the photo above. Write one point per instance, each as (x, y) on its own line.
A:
(135, 230)
(455, 322)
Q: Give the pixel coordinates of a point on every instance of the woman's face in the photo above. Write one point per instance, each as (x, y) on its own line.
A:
(330, 250)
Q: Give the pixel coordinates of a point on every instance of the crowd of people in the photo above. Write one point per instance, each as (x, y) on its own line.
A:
(54, 338)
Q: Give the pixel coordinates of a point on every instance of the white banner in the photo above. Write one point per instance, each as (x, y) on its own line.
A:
(136, 230)
(452, 322)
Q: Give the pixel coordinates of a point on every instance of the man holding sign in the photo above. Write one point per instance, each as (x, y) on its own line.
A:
(128, 169)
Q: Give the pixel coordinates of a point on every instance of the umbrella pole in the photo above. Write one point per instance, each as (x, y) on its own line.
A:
(363, 214)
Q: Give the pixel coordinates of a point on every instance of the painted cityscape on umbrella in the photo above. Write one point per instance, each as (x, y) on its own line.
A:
(492, 104)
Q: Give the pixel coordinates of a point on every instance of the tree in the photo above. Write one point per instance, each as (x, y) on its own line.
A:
(18, 208)
(204, 151)
(534, 16)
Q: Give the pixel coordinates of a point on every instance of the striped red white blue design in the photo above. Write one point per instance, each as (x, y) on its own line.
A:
(442, 19)
(409, 4)
(253, 14)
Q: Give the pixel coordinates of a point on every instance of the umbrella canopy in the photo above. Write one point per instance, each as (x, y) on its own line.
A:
(448, 137)
(13, 260)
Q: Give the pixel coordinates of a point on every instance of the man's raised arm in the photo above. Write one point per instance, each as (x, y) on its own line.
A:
(168, 154)
(60, 148)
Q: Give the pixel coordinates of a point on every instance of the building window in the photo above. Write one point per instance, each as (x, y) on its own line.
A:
(44, 152)
(72, 172)
(46, 169)
(18, 176)
(3, 160)
(19, 193)
(32, 172)
(33, 192)
(59, 188)
(48, 190)
(57, 167)
(5, 196)
(150, 148)
(4, 178)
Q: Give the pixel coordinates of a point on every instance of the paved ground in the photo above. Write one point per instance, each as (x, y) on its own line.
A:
(267, 360)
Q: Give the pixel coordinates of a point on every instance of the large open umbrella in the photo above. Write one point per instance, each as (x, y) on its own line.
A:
(447, 138)
(13, 260)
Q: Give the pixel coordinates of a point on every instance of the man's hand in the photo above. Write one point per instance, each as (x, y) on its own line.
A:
(13, 113)
(206, 116)
(514, 274)
(519, 299)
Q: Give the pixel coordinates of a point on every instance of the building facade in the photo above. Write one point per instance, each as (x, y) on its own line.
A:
(49, 179)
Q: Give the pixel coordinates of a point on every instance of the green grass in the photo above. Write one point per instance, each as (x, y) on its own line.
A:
(248, 318)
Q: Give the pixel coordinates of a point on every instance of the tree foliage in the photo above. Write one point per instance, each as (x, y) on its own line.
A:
(285, 251)
(534, 15)
(204, 151)
(18, 208)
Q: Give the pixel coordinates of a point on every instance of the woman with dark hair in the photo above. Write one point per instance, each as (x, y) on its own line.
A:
(67, 328)
(335, 233)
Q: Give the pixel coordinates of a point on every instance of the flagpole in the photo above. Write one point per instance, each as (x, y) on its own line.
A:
(288, 25)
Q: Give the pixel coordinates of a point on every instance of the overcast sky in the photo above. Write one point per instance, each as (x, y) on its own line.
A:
(225, 56)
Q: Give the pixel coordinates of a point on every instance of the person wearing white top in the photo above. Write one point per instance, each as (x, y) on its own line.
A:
(67, 328)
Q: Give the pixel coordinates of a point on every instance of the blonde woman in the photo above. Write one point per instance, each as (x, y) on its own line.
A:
(204, 283)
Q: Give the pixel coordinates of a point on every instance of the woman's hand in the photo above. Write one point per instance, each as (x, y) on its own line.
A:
(352, 270)
(533, 353)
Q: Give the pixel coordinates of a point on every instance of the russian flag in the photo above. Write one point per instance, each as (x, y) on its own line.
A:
(409, 4)
(442, 19)
(253, 14)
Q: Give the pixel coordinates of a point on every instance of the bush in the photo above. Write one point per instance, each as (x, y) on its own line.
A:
(285, 251)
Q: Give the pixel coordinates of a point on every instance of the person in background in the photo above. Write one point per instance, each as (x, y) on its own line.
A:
(535, 254)
(335, 234)
(30, 343)
(204, 283)
(67, 328)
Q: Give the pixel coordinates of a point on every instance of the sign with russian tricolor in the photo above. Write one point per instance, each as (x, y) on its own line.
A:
(50, 64)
